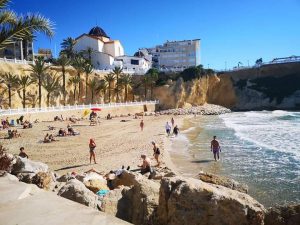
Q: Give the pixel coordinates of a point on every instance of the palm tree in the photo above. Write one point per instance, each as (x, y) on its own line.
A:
(117, 72)
(51, 84)
(153, 76)
(88, 69)
(93, 84)
(24, 82)
(39, 69)
(79, 64)
(67, 46)
(102, 87)
(109, 78)
(63, 61)
(74, 81)
(145, 82)
(13, 26)
(89, 51)
(126, 80)
(11, 81)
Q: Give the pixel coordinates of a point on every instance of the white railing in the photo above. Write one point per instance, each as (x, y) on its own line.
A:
(18, 61)
(21, 111)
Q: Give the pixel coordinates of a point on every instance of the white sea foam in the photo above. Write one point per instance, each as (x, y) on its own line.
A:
(188, 130)
(277, 130)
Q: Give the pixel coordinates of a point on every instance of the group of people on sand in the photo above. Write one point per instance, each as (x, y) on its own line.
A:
(169, 127)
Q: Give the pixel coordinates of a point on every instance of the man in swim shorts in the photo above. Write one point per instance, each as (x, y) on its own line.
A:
(215, 148)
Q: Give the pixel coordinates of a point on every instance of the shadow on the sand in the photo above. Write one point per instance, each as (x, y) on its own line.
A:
(203, 161)
(71, 167)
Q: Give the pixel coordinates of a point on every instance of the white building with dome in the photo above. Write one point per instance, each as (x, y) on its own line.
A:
(107, 53)
(104, 50)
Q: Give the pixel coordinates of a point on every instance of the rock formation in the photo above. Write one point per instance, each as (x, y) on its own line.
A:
(283, 215)
(223, 181)
(190, 201)
(76, 191)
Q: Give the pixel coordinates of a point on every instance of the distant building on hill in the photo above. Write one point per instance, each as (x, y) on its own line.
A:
(105, 53)
(175, 55)
(20, 50)
(104, 50)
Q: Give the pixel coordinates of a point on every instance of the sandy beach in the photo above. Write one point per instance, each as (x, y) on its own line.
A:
(118, 143)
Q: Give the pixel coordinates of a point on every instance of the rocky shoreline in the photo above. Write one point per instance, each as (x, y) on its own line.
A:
(165, 199)
(206, 109)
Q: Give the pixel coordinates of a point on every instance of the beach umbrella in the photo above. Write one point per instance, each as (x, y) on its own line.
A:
(86, 112)
(96, 109)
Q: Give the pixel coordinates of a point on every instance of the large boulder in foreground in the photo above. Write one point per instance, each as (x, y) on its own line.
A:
(77, 192)
(136, 200)
(24, 165)
(191, 201)
(283, 215)
(223, 181)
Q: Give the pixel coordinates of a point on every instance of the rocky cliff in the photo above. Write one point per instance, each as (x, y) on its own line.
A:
(275, 86)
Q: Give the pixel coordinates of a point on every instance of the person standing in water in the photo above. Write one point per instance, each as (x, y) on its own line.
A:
(173, 122)
(92, 146)
(215, 148)
(168, 128)
(142, 125)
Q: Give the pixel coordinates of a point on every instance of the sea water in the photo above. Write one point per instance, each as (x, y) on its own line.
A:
(260, 149)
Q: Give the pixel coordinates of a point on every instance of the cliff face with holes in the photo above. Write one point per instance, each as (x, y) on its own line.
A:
(268, 87)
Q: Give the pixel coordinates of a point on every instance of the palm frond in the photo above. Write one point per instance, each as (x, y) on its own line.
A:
(24, 27)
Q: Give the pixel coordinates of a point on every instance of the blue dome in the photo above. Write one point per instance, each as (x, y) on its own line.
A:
(98, 32)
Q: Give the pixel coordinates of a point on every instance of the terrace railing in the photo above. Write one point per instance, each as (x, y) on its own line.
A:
(21, 111)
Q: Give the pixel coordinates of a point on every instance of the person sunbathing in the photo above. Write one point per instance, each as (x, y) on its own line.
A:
(47, 139)
(27, 124)
(51, 138)
(71, 131)
(73, 120)
(22, 153)
(62, 132)
(16, 134)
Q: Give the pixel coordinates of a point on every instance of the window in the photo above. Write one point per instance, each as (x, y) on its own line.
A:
(134, 62)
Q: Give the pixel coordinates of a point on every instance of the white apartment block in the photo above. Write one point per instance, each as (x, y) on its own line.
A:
(175, 55)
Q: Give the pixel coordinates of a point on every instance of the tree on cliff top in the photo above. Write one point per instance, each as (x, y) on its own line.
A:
(13, 26)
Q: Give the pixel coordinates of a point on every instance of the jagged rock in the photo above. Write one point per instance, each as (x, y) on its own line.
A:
(283, 215)
(96, 185)
(77, 192)
(6, 160)
(118, 202)
(223, 181)
(42, 180)
(137, 203)
(24, 165)
(125, 179)
(191, 201)
(65, 177)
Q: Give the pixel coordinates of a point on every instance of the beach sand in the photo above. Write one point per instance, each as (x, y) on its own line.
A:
(118, 143)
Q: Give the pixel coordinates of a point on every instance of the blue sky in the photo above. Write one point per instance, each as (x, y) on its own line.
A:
(230, 31)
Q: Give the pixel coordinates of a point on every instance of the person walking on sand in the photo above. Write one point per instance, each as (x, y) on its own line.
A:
(173, 122)
(92, 146)
(168, 128)
(156, 152)
(142, 125)
(215, 148)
